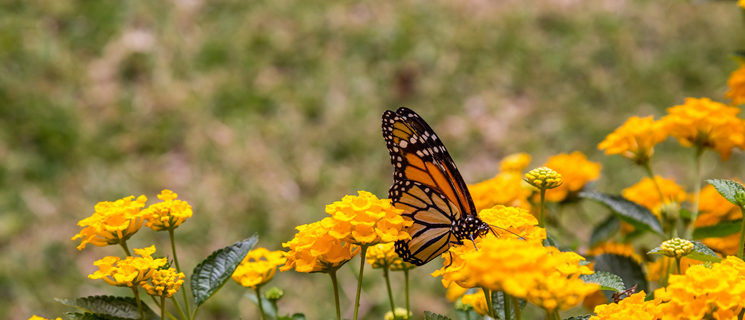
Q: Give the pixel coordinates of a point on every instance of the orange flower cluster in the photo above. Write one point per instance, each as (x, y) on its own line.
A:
(258, 267)
(113, 222)
(645, 193)
(714, 209)
(313, 249)
(736, 83)
(366, 220)
(506, 188)
(576, 172)
(168, 214)
(635, 139)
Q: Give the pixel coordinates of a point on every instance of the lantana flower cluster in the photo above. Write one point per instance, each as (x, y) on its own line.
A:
(258, 267)
(128, 272)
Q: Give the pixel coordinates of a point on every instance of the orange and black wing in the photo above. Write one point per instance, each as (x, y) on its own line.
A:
(432, 214)
(417, 154)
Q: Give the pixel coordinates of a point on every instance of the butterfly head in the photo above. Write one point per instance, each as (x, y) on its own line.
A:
(469, 227)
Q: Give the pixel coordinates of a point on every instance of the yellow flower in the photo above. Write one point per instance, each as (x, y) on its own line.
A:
(542, 275)
(676, 247)
(168, 214)
(635, 139)
(736, 81)
(713, 209)
(717, 292)
(454, 291)
(512, 222)
(576, 170)
(543, 178)
(164, 282)
(706, 124)
(741, 3)
(401, 313)
(314, 249)
(130, 271)
(383, 255)
(515, 162)
(506, 188)
(35, 317)
(258, 267)
(645, 193)
(633, 307)
(366, 220)
(477, 301)
(620, 249)
(112, 222)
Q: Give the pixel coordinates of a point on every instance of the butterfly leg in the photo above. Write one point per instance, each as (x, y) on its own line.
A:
(474, 242)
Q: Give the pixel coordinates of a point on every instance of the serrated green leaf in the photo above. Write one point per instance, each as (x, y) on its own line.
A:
(88, 316)
(212, 273)
(630, 271)
(729, 189)
(265, 304)
(497, 298)
(718, 230)
(433, 316)
(112, 306)
(702, 253)
(606, 280)
(604, 230)
(582, 317)
(631, 212)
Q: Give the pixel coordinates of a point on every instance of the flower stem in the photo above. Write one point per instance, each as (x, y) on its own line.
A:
(696, 190)
(677, 265)
(506, 304)
(541, 222)
(136, 291)
(742, 234)
(406, 284)
(335, 283)
(178, 308)
(516, 308)
(123, 244)
(487, 296)
(178, 269)
(363, 251)
(162, 307)
(386, 275)
(258, 302)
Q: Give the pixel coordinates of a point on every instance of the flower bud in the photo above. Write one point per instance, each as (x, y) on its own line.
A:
(543, 178)
(676, 247)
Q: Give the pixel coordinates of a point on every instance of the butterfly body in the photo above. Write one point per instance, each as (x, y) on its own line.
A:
(429, 188)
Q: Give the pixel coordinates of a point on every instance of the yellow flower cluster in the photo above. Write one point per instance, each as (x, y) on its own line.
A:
(543, 178)
(741, 3)
(635, 139)
(506, 188)
(313, 249)
(164, 282)
(401, 313)
(35, 317)
(576, 171)
(542, 275)
(258, 267)
(168, 214)
(130, 271)
(112, 222)
(620, 249)
(658, 268)
(366, 220)
(512, 222)
(714, 209)
(736, 82)
(645, 193)
(477, 301)
(383, 255)
(676, 247)
(633, 307)
(707, 124)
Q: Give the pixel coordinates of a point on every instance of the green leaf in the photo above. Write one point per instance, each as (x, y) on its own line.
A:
(604, 230)
(702, 253)
(294, 316)
(88, 316)
(631, 212)
(116, 307)
(265, 304)
(730, 190)
(433, 316)
(721, 229)
(212, 273)
(582, 317)
(497, 298)
(606, 280)
(630, 271)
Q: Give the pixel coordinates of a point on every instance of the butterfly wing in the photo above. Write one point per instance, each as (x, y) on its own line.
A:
(432, 214)
(417, 154)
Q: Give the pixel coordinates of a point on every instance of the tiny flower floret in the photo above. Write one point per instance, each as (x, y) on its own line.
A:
(676, 247)
(543, 178)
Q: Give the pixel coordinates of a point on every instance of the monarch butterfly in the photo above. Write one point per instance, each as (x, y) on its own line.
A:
(429, 188)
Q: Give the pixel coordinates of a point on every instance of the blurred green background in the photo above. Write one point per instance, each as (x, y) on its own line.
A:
(261, 112)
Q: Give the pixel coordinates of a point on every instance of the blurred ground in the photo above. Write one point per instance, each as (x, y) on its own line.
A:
(260, 112)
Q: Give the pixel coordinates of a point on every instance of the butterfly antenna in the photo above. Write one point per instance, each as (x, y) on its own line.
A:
(495, 234)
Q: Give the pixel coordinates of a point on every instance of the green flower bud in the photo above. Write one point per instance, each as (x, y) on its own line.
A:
(274, 294)
(676, 247)
(543, 178)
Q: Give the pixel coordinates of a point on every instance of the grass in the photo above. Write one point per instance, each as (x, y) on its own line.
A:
(261, 112)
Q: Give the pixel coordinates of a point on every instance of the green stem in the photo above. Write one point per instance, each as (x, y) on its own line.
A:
(516, 308)
(136, 291)
(487, 296)
(468, 314)
(406, 284)
(386, 275)
(677, 265)
(178, 308)
(555, 314)
(258, 302)
(543, 205)
(696, 190)
(162, 307)
(123, 244)
(178, 269)
(335, 283)
(363, 251)
(742, 234)
(506, 304)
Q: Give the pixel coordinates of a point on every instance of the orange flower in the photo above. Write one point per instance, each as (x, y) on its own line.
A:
(576, 172)
(736, 81)
(635, 139)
